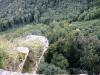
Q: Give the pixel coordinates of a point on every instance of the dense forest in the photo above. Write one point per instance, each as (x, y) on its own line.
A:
(16, 12)
(71, 26)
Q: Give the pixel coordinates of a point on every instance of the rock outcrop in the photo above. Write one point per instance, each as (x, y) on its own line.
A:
(31, 49)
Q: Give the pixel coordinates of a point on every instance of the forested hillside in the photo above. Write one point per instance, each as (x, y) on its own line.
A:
(71, 26)
(15, 12)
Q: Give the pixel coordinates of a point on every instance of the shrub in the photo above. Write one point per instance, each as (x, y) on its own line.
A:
(50, 69)
(89, 53)
(60, 61)
(8, 55)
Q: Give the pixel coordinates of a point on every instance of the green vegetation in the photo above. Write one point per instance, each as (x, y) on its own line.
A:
(73, 47)
(50, 69)
(7, 53)
(15, 13)
(74, 37)
(92, 13)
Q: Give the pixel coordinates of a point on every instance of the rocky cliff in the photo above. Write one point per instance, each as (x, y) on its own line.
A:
(29, 53)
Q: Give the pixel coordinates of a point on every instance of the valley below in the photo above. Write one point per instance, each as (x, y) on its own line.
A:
(49, 37)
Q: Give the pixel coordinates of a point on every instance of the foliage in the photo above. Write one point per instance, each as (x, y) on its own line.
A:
(92, 13)
(70, 44)
(1, 62)
(15, 13)
(7, 52)
(74, 47)
(89, 56)
(60, 61)
(50, 69)
(91, 27)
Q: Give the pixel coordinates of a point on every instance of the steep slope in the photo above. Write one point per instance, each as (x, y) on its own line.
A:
(71, 26)
(93, 12)
(25, 56)
(15, 12)
(67, 43)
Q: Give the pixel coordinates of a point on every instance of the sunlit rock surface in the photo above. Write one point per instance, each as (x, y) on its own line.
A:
(4, 72)
(33, 47)
(17, 63)
(25, 51)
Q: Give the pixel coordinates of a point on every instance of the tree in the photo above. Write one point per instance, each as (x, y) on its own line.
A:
(89, 55)
(60, 61)
(50, 69)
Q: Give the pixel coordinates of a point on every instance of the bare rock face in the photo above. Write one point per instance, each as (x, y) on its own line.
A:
(22, 53)
(17, 64)
(25, 52)
(30, 51)
(4, 72)
(38, 46)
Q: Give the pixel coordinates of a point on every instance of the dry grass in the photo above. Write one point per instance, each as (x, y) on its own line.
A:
(36, 47)
(9, 54)
(7, 48)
